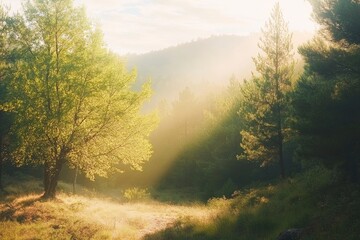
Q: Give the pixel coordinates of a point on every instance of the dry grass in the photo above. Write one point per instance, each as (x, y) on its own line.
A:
(79, 217)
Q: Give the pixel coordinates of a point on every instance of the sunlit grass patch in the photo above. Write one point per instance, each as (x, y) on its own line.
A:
(256, 213)
(130, 220)
(88, 216)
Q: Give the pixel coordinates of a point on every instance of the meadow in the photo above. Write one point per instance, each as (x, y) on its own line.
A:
(88, 215)
(312, 202)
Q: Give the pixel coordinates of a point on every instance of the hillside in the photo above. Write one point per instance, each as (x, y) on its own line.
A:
(202, 65)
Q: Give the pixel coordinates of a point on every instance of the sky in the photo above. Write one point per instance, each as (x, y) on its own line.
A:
(139, 26)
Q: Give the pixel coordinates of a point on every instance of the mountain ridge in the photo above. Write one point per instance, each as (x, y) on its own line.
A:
(203, 63)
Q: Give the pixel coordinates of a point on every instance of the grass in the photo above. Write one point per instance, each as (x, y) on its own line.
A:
(23, 215)
(314, 201)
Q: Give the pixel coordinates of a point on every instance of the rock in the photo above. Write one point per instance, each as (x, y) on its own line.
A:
(291, 234)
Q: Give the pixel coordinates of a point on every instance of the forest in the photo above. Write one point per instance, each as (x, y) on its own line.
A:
(273, 154)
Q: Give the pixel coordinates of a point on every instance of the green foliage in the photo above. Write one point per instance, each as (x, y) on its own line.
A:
(327, 97)
(136, 194)
(265, 106)
(339, 18)
(5, 116)
(72, 97)
(207, 165)
(312, 201)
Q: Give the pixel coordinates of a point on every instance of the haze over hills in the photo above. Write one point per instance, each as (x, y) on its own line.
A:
(201, 65)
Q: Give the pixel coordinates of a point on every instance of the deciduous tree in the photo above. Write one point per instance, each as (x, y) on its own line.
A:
(5, 120)
(72, 98)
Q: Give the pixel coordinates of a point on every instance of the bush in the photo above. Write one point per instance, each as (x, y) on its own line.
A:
(136, 194)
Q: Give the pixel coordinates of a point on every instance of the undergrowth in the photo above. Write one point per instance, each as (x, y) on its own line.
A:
(24, 215)
(314, 201)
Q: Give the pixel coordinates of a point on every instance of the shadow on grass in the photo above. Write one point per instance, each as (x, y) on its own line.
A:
(179, 231)
(220, 229)
(12, 210)
(311, 202)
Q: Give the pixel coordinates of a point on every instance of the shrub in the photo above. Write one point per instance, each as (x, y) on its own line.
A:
(136, 194)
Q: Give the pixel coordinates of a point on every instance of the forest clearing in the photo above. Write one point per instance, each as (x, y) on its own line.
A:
(180, 120)
(251, 214)
(91, 216)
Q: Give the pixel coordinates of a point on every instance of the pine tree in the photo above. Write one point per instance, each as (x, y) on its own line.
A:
(265, 105)
(327, 97)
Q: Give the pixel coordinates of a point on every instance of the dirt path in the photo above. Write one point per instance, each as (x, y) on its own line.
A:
(135, 220)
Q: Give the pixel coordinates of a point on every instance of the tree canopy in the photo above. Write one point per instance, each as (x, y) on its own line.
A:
(71, 97)
(327, 97)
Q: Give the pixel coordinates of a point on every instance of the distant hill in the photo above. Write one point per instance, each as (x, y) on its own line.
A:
(203, 64)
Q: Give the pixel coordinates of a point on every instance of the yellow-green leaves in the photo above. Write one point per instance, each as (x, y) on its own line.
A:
(72, 97)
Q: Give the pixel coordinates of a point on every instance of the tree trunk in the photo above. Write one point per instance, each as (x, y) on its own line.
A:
(280, 143)
(281, 156)
(47, 174)
(51, 179)
(75, 179)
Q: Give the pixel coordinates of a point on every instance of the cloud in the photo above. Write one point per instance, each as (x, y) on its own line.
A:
(163, 23)
(145, 25)
(140, 26)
